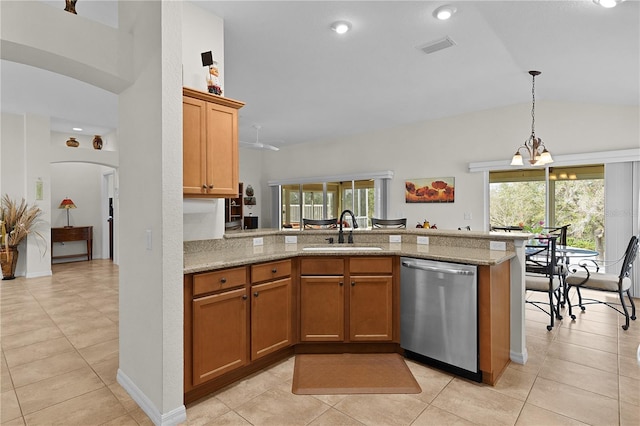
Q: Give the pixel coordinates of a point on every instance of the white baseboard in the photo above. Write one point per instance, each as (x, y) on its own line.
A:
(519, 358)
(173, 417)
(39, 274)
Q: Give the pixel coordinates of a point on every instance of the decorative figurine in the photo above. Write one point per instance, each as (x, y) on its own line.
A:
(71, 6)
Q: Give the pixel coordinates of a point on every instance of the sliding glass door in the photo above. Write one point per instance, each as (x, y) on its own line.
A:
(558, 196)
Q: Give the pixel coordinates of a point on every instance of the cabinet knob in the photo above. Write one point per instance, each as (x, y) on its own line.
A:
(341, 283)
(274, 270)
(244, 297)
(256, 294)
(353, 283)
(223, 280)
(204, 186)
(210, 186)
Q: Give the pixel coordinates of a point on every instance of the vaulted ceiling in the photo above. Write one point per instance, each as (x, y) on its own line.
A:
(303, 82)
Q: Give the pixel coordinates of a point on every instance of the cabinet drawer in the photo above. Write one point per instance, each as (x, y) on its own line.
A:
(322, 266)
(371, 265)
(270, 271)
(219, 280)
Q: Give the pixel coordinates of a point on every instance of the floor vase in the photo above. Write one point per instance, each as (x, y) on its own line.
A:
(8, 260)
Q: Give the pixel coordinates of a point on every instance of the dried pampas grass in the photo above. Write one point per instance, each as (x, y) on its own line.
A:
(17, 221)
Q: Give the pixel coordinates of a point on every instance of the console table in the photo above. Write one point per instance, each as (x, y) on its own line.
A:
(74, 233)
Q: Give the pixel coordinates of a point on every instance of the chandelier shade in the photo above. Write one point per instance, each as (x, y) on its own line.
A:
(533, 146)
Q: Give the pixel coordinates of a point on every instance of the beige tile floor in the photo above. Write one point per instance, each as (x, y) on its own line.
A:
(60, 357)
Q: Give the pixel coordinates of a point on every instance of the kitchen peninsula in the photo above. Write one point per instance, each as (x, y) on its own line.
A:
(254, 291)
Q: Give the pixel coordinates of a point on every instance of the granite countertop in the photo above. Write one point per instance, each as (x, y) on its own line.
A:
(231, 256)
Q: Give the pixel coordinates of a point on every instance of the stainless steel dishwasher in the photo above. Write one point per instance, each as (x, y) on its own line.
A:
(439, 315)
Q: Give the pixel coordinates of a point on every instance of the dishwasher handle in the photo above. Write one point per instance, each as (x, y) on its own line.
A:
(417, 265)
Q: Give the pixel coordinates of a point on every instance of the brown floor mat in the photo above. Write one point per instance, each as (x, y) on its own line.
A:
(328, 374)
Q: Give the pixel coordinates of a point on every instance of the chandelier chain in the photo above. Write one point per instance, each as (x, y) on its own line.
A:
(533, 107)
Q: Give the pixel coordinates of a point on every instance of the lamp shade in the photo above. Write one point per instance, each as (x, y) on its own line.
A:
(67, 203)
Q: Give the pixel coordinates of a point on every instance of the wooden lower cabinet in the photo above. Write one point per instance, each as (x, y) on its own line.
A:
(371, 308)
(322, 309)
(219, 334)
(356, 306)
(240, 320)
(271, 319)
(494, 319)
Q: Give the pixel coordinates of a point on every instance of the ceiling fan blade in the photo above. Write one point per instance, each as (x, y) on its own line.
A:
(258, 145)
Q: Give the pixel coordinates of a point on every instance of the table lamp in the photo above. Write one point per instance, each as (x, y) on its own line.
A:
(67, 204)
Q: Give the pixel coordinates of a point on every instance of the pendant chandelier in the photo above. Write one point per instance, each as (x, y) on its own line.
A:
(538, 154)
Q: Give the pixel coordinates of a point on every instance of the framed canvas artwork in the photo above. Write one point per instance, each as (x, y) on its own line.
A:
(430, 190)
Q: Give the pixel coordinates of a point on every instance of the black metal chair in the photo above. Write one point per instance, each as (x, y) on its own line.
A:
(560, 232)
(541, 276)
(612, 283)
(388, 223)
(319, 223)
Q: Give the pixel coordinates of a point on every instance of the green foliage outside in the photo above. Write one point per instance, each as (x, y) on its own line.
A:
(577, 202)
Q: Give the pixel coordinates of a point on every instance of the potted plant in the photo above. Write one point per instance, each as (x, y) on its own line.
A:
(17, 221)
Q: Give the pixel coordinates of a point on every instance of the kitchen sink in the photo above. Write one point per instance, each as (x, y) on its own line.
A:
(341, 248)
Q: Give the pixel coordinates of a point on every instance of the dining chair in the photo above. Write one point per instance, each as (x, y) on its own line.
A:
(606, 282)
(319, 223)
(560, 231)
(233, 225)
(388, 223)
(541, 276)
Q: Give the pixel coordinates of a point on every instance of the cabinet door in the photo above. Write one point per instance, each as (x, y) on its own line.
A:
(222, 150)
(194, 140)
(322, 309)
(270, 317)
(219, 334)
(371, 308)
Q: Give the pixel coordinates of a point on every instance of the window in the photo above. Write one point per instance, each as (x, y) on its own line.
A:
(566, 195)
(326, 201)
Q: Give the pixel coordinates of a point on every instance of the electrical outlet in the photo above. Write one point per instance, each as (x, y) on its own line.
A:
(290, 239)
(395, 238)
(258, 241)
(497, 245)
(423, 240)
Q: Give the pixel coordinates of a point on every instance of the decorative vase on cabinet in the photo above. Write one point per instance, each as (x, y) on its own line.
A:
(97, 142)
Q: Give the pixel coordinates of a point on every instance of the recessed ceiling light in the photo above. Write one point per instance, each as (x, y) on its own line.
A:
(444, 12)
(341, 27)
(608, 3)
(77, 129)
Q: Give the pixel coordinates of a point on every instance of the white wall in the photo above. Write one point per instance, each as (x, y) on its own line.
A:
(150, 194)
(24, 161)
(251, 174)
(445, 148)
(149, 44)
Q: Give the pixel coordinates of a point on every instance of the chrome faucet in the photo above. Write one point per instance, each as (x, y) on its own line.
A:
(353, 221)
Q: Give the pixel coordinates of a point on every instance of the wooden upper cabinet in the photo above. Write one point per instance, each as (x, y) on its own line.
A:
(210, 145)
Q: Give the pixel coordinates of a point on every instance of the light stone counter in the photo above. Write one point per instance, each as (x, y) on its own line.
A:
(237, 249)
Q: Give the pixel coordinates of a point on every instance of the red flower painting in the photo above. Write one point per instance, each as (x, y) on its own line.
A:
(430, 190)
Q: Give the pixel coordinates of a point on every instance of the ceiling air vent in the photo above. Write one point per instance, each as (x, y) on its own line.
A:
(436, 45)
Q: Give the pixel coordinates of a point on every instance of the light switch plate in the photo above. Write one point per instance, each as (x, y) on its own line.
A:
(290, 239)
(395, 238)
(497, 245)
(258, 241)
(423, 240)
